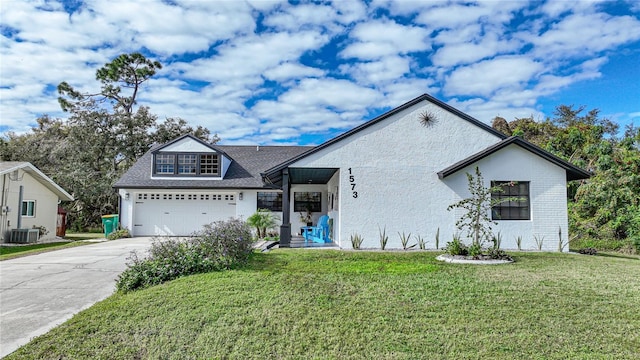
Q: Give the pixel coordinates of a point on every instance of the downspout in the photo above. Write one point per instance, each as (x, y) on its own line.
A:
(3, 202)
(20, 193)
(285, 228)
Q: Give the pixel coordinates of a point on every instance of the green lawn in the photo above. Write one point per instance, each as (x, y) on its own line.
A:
(12, 252)
(83, 236)
(323, 304)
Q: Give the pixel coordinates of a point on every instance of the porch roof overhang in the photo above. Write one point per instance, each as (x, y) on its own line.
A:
(573, 172)
(300, 176)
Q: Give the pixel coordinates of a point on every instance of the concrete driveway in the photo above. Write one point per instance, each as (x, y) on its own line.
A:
(40, 292)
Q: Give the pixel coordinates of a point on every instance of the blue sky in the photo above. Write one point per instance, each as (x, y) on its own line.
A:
(277, 72)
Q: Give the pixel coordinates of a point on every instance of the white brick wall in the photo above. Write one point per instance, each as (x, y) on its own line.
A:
(395, 164)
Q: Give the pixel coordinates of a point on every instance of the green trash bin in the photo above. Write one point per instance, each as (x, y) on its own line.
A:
(109, 223)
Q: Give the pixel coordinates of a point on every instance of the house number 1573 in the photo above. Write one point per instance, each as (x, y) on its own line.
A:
(352, 183)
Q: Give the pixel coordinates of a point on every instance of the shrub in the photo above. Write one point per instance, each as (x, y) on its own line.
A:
(356, 241)
(263, 220)
(498, 254)
(42, 231)
(119, 234)
(475, 250)
(588, 251)
(218, 246)
(404, 240)
(456, 247)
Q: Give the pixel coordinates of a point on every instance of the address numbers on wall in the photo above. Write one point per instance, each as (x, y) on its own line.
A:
(352, 184)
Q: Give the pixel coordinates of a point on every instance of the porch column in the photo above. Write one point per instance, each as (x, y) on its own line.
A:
(285, 228)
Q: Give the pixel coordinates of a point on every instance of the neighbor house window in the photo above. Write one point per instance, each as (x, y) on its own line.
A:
(270, 201)
(303, 201)
(29, 208)
(186, 164)
(513, 201)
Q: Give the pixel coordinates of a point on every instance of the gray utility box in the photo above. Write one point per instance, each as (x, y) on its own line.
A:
(24, 236)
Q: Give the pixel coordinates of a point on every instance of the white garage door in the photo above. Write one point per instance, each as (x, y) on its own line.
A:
(178, 214)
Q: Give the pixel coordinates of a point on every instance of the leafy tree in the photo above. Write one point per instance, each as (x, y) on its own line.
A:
(171, 128)
(105, 133)
(606, 205)
(476, 220)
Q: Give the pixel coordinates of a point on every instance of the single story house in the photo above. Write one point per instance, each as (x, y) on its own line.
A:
(397, 172)
(29, 199)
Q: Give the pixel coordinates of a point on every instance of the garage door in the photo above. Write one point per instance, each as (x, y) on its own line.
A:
(178, 214)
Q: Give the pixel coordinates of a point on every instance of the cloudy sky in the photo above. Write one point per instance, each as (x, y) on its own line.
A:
(271, 72)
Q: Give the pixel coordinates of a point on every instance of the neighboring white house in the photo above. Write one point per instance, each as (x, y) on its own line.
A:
(392, 173)
(29, 198)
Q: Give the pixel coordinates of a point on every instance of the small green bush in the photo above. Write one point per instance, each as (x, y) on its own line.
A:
(119, 234)
(456, 247)
(356, 241)
(219, 246)
(475, 250)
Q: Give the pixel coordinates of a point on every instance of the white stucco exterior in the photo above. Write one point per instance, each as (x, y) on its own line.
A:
(394, 165)
(388, 176)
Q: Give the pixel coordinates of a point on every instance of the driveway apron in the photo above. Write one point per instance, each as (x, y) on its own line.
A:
(40, 292)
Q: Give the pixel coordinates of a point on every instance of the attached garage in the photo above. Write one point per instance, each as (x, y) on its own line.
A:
(179, 213)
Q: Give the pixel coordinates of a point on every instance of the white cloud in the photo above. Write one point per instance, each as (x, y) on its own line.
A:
(376, 39)
(485, 111)
(452, 16)
(248, 57)
(378, 72)
(332, 64)
(583, 35)
(302, 17)
(316, 106)
(149, 23)
(486, 77)
(287, 71)
(451, 55)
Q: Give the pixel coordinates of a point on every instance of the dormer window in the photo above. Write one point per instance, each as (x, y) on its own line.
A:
(186, 164)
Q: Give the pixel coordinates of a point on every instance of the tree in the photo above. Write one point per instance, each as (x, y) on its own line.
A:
(171, 128)
(476, 220)
(606, 205)
(126, 71)
(105, 133)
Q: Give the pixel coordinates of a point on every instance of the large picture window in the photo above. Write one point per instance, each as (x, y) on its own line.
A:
(270, 201)
(303, 201)
(187, 164)
(513, 201)
(28, 208)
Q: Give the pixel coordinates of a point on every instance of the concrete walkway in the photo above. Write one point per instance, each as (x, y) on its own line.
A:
(40, 292)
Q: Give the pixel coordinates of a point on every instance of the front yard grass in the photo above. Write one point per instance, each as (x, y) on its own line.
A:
(12, 252)
(300, 304)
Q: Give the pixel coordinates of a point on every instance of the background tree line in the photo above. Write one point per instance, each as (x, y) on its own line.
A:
(105, 133)
(604, 211)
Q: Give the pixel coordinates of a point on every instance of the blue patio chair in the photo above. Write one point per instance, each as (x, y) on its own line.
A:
(318, 233)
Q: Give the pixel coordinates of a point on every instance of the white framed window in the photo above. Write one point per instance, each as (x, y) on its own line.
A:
(28, 208)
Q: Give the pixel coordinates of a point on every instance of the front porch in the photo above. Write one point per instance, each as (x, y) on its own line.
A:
(311, 193)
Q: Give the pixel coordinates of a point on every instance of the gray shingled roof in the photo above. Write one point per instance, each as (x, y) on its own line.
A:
(243, 173)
